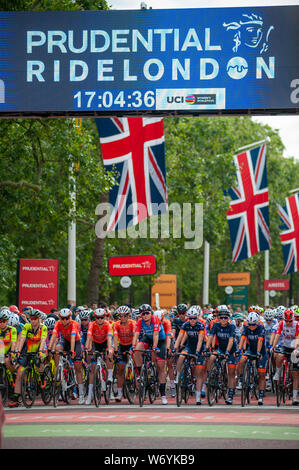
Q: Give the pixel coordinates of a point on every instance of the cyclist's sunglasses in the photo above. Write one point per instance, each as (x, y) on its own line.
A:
(34, 318)
(192, 318)
(64, 318)
(145, 313)
(222, 317)
(252, 324)
(100, 317)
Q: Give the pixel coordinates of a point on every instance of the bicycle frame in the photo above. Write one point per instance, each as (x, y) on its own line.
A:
(185, 385)
(148, 377)
(250, 379)
(217, 382)
(62, 385)
(284, 385)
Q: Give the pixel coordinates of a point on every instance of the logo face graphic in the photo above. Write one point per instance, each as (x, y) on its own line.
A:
(250, 32)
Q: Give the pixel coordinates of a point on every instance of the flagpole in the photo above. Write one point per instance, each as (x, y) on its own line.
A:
(71, 287)
(266, 292)
(206, 262)
(254, 144)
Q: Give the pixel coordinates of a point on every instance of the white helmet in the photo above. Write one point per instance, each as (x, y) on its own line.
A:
(50, 323)
(192, 312)
(268, 314)
(65, 313)
(14, 319)
(210, 317)
(253, 317)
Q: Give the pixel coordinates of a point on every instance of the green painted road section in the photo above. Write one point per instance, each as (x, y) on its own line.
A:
(153, 430)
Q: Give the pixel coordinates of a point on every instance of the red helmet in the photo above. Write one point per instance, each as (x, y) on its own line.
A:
(288, 314)
(14, 308)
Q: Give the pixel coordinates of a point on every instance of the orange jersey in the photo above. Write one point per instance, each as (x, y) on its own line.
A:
(72, 329)
(167, 327)
(125, 332)
(99, 333)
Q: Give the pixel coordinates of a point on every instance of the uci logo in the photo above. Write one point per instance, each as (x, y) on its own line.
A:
(175, 99)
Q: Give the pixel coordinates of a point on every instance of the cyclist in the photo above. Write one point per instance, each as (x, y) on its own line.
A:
(8, 335)
(149, 332)
(193, 334)
(33, 339)
(224, 334)
(167, 326)
(288, 329)
(83, 320)
(99, 338)
(270, 329)
(179, 321)
(253, 343)
(66, 337)
(123, 333)
(238, 320)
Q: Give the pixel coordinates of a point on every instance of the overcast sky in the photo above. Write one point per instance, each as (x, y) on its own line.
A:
(288, 126)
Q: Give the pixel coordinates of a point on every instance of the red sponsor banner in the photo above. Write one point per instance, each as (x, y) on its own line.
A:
(38, 284)
(277, 284)
(132, 265)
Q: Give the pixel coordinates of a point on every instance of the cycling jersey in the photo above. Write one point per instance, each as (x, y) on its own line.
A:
(124, 333)
(72, 329)
(8, 336)
(98, 333)
(288, 333)
(269, 329)
(167, 327)
(177, 325)
(253, 336)
(83, 332)
(192, 334)
(223, 334)
(148, 330)
(33, 338)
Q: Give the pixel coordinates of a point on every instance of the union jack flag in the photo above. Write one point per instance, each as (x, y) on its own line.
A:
(289, 236)
(134, 147)
(248, 216)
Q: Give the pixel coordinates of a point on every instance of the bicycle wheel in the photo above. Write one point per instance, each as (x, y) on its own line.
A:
(142, 386)
(151, 373)
(97, 386)
(180, 389)
(46, 385)
(129, 383)
(212, 388)
(114, 379)
(28, 387)
(57, 386)
(279, 388)
(3, 384)
(223, 379)
(187, 383)
(67, 389)
(245, 385)
(107, 392)
(85, 373)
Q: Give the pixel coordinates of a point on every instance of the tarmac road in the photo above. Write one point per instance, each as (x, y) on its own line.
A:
(157, 427)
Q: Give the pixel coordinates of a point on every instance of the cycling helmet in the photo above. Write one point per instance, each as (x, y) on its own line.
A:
(99, 313)
(14, 319)
(123, 310)
(253, 318)
(35, 313)
(14, 309)
(65, 313)
(159, 314)
(80, 309)
(254, 308)
(27, 309)
(192, 312)
(268, 314)
(173, 312)
(43, 316)
(288, 314)
(4, 315)
(209, 317)
(145, 308)
(223, 309)
(238, 316)
(84, 314)
(50, 323)
(182, 308)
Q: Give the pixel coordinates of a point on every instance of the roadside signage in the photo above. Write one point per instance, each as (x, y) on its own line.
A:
(233, 279)
(38, 284)
(139, 265)
(166, 286)
(190, 61)
(277, 284)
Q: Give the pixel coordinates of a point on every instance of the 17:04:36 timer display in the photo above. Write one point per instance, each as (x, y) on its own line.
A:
(93, 100)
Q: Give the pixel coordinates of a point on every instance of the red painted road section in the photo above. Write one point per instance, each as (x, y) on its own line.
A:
(153, 417)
